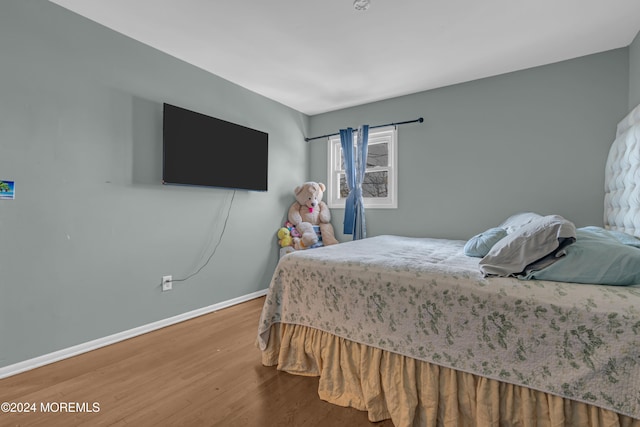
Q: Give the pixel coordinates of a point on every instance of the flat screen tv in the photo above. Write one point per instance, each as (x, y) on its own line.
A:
(205, 151)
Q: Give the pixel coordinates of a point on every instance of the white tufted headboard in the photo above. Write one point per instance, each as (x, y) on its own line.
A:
(622, 177)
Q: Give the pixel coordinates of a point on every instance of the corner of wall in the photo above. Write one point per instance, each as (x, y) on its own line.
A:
(634, 72)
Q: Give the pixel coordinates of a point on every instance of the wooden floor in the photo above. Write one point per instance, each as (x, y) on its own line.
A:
(202, 372)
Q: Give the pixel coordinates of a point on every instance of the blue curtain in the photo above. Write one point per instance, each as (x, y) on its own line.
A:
(355, 161)
(346, 141)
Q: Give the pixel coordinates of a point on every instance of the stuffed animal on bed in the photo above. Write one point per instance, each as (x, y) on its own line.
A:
(284, 237)
(309, 210)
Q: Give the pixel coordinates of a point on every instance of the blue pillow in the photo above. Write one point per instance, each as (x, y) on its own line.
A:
(622, 237)
(481, 244)
(595, 258)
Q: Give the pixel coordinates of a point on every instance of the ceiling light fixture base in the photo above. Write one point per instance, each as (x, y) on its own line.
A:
(361, 4)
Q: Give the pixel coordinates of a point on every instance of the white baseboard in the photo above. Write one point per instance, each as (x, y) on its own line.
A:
(65, 353)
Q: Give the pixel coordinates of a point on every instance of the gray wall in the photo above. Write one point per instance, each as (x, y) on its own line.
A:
(91, 231)
(634, 72)
(530, 140)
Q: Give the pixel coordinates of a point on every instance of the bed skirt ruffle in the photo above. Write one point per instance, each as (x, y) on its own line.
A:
(413, 393)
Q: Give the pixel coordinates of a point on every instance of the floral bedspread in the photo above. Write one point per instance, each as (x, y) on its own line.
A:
(425, 299)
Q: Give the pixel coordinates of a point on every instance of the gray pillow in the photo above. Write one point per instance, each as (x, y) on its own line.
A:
(538, 243)
(480, 244)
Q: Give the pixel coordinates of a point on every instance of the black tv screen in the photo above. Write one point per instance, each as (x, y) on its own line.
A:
(202, 150)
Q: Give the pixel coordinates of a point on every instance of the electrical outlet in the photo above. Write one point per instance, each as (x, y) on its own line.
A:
(167, 283)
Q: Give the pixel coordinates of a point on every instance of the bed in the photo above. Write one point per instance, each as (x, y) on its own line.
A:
(417, 331)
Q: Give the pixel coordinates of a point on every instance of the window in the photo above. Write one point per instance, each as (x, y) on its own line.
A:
(380, 186)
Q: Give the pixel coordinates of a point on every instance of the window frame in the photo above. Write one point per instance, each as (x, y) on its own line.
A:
(388, 135)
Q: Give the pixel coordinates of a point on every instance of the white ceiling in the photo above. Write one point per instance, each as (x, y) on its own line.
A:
(323, 55)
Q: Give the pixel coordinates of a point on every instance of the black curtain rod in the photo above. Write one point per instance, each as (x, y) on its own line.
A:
(420, 120)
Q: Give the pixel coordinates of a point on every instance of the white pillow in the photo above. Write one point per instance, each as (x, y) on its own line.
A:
(538, 242)
(518, 220)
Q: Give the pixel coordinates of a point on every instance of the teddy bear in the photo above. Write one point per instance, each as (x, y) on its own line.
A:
(309, 210)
